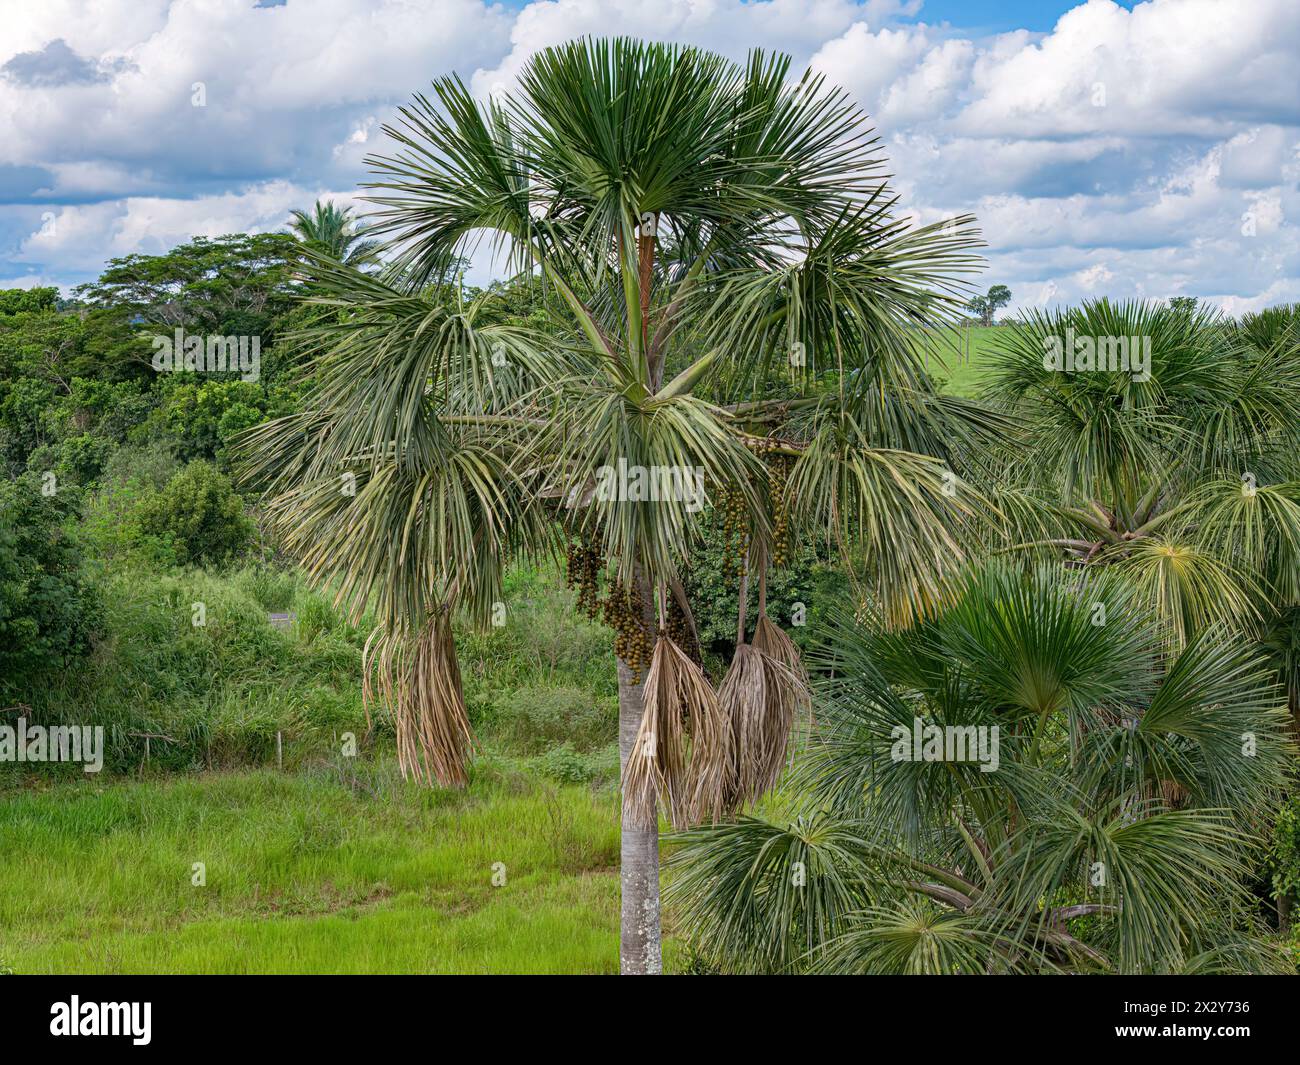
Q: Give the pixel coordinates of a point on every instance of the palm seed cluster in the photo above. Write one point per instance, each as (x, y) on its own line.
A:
(622, 608)
(730, 506)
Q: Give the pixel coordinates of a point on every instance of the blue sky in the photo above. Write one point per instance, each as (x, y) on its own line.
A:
(1124, 150)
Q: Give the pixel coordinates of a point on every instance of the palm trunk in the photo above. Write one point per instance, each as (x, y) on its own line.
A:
(639, 950)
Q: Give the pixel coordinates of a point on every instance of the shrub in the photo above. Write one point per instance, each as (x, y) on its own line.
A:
(200, 514)
(535, 719)
(567, 766)
(49, 609)
(221, 690)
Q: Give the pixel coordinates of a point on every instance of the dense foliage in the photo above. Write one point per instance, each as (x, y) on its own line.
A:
(48, 608)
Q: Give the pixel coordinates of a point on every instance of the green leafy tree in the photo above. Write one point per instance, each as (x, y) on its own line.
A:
(199, 514)
(235, 285)
(694, 224)
(28, 300)
(49, 608)
(987, 306)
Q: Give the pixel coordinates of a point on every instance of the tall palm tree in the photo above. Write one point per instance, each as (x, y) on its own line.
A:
(695, 228)
(331, 230)
(1109, 832)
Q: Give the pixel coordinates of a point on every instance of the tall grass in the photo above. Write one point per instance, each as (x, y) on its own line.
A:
(333, 869)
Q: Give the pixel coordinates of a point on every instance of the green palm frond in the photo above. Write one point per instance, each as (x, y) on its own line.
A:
(1254, 525)
(917, 938)
(757, 896)
(1190, 588)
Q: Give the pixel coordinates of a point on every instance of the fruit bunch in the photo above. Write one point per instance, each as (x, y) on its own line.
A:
(583, 565)
(730, 506)
(624, 612)
(778, 473)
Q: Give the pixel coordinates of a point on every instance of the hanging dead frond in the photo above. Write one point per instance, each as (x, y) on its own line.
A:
(775, 642)
(417, 677)
(794, 689)
(710, 768)
(759, 696)
(681, 752)
(743, 699)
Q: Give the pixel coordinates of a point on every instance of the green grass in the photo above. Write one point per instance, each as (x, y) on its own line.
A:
(325, 871)
(963, 367)
(335, 865)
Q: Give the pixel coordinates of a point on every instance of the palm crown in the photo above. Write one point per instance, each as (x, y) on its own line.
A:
(331, 230)
(1111, 836)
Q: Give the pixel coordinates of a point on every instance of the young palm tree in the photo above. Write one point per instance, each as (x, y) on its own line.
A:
(330, 230)
(1109, 829)
(695, 229)
(1184, 473)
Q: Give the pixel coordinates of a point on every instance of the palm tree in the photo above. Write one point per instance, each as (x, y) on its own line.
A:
(1128, 787)
(330, 230)
(695, 228)
(1184, 474)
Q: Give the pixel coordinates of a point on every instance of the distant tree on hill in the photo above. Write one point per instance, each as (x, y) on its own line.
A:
(988, 305)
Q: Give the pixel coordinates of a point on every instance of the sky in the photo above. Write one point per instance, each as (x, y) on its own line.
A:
(1137, 150)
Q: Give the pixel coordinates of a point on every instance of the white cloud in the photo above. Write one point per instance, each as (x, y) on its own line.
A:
(1153, 151)
(83, 236)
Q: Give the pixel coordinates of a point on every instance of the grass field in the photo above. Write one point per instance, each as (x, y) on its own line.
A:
(963, 368)
(324, 871)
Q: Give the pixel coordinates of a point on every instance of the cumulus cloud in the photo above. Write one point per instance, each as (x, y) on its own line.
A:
(57, 64)
(1144, 152)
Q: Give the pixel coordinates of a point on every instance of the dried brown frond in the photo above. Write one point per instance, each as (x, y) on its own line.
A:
(775, 642)
(681, 752)
(759, 695)
(417, 677)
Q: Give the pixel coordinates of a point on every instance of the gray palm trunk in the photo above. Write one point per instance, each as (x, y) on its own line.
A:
(639, 948)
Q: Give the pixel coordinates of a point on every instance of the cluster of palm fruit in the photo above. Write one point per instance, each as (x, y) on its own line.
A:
(730, 505)
(624, 612)
(778, 473)
(584, 563)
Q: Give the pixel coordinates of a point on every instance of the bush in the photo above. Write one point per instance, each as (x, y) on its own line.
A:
(49, 609)
(535, 719)
(199, 514)
(220, 690)
(806, 579)
(567, 766)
